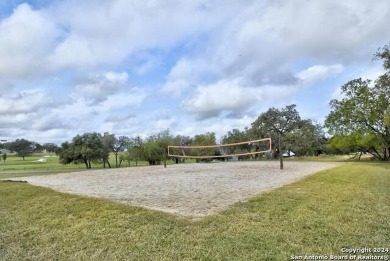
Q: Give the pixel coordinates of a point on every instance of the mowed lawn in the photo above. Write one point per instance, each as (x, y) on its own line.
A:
(345, 207)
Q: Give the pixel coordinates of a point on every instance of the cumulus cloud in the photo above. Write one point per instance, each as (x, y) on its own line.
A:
(119, 117)
(176, 86)
(115, 29)
(36, 111)
(23, 102)
(112, 108)
(132, 97)
(46, 121)
(26, 37)
(22, 120)
(308, 28)
(180, 77)
(263, 38)
(240, 40)
(219, 126)
(199, 48)
(98, 87)
(32, 110)
(210, 100)
(164, 124)
(73, 35)
(186, 73)
(319, 72)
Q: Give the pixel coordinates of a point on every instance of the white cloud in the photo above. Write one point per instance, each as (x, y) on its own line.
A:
(220, 126)
(210, 100)
(176, 87)
(74, 35)
(262, 40)
(133, 97)
(119, 117)
(26, 37)
(44, 121)
(115, 29)
(23, 102)
(195, 50)
(309, 29)
(319, 72)
(187, 73)
(180, 77)
(238, 39)
(98, 87)
(9, 121)
(164, 124)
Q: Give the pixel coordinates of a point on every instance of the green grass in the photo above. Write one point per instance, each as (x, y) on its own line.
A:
(51, 164)
(343, 207)
(334, 158)
(15, 166)
(14, 162)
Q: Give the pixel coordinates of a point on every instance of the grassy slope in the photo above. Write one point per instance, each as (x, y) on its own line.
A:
(343, 207)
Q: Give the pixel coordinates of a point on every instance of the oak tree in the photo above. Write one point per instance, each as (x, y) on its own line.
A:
(362, 115)
(277, 124)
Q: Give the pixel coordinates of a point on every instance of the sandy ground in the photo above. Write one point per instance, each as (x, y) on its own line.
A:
(193, 190)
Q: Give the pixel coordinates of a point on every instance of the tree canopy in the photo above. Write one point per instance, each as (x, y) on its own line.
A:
(277, 123)
(86, 148)
(204, 140)
(235, 136)
(362, 115)
(22, 147)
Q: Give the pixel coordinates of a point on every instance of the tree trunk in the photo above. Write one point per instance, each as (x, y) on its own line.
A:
(108, 163)
(280, 151)
(386, 154)
(86, 163)
(376, 154)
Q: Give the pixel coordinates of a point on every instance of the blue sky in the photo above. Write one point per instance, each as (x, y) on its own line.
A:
(139, 67)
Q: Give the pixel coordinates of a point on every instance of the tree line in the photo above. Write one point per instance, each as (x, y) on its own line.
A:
(359, 122)
(301, 136)
(24, 148)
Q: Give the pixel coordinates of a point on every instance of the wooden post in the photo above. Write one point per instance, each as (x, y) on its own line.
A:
(280, 151)
(165, 158)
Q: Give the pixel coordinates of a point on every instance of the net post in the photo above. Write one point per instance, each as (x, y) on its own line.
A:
(280, 151)
(165, 157)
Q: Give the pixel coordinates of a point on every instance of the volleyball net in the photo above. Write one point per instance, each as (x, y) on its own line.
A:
(245, 148)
